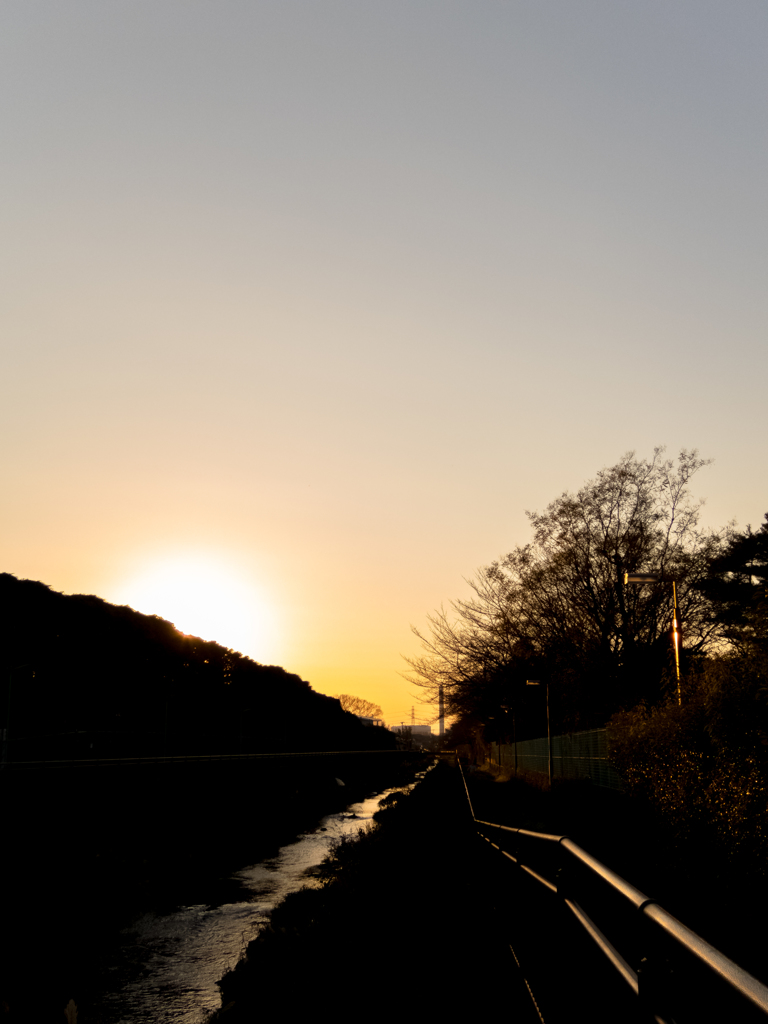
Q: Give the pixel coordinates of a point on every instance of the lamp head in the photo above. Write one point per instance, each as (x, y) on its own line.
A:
(641, 577)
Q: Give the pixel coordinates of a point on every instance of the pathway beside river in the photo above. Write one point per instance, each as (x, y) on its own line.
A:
(417, 920)
(422, 917)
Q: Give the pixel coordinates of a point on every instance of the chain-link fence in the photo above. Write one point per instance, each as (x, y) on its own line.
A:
(578, 755)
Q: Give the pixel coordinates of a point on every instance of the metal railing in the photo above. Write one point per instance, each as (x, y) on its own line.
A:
(670, 957)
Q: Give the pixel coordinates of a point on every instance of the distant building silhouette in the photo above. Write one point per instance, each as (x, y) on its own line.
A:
(370, 721)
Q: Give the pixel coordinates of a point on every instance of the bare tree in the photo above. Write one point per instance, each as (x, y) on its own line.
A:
(359, 706)
(557, 606)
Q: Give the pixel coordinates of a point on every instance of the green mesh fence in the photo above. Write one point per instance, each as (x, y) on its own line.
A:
(578, 755)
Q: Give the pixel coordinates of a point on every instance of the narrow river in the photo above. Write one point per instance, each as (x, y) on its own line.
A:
(167, 964)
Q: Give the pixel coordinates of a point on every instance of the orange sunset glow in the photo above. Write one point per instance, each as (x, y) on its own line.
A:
(306, 304)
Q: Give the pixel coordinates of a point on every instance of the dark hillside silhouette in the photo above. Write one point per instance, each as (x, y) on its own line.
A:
(85, 678)
(91, 840)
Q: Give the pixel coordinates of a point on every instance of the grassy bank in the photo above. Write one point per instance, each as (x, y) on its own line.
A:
(83, 854)
(416, 916)
(421, 902)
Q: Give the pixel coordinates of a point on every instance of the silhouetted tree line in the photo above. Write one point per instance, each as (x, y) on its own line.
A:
(704, 763)
(558, 610)
(359, 705)
(85, 678)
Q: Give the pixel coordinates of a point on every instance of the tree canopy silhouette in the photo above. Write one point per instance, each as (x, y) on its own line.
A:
(556, 608)
(86, 678)
(737, 586)
(359, 705)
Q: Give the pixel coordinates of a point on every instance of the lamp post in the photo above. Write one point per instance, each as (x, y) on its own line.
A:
(514, 739)
(654, 577)
(505, 735)
(536, 682)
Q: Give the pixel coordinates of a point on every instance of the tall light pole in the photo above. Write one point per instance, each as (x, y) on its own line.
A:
(536, 682)
(654, 577)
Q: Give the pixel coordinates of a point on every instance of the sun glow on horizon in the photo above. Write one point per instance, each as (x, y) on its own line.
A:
(204, 596)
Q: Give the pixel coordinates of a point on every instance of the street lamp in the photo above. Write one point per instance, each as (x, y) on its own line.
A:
(536, 682)
(654, 577)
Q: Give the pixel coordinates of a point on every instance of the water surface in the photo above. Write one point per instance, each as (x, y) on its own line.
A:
(167, 964)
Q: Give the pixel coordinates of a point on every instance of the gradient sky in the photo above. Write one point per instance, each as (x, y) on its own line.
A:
(305, 302)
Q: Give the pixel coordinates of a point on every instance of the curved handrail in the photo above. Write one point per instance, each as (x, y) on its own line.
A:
(720, 965)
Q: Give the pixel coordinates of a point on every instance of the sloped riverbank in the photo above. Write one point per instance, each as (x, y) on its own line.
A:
(106, 848)
(423, 913)
(406, 917)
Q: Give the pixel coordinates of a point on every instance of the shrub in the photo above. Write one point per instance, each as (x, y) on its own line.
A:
(703, 766)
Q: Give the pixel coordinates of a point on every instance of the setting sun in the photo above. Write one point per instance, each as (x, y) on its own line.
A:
(204, 596)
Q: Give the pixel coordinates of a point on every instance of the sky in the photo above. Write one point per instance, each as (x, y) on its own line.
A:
(306, 302)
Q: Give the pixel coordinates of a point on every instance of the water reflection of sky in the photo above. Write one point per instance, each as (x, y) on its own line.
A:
(170, 963)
